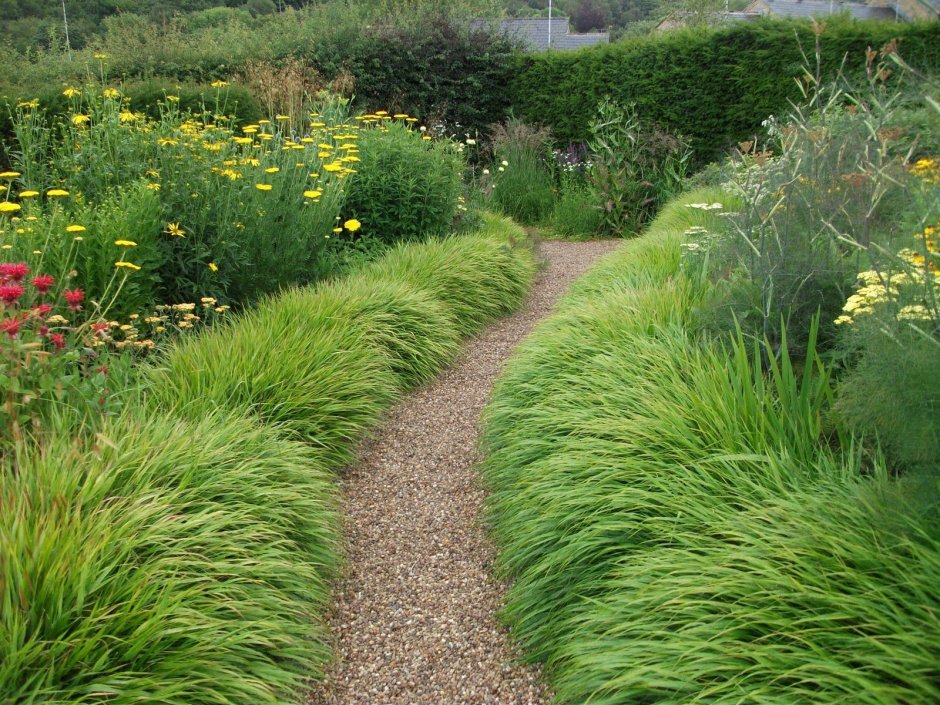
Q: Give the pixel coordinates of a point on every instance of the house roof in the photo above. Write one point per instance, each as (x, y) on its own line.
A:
(533, 33)
(820, 8)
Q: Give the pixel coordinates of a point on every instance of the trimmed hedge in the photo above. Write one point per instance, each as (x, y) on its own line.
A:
(183, 553)
(714, 87)
(675, 526)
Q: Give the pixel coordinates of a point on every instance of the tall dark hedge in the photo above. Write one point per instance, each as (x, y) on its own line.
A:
(715, 87)
(435, 69)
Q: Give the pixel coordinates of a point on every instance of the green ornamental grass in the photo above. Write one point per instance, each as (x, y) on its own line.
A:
(678, 527)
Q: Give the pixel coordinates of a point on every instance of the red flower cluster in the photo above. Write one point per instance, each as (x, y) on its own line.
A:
(12, 290)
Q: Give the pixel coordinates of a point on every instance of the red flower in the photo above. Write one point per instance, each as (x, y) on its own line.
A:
(10, 293)
(74, 297)
(13, 270)
(100, 327)
(58, 340)
(43, 331)
(43, 283)
(11, 327)
(42, 309)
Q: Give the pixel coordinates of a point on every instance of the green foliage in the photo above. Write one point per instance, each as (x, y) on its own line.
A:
(656, 494)
(183, 549)
(164, 560)
(521, 181)
(634, 168)
(404, 188)
(892, 394)
(322, 364)
(712, 86)
(576, 213)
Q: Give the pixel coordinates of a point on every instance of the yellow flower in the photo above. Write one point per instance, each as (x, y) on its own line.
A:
(80, 119)
(213, 267)
(173, 98)
(313, 194)
(127, 265)
(126, 116)
(101, 57)
(71, 92)
(337, 230)
(31, 104)
(175, 230)
(125, 243)
(153, 187)
(352, 225)
(75, 229)
(9, 174)
(57, 193)
(282, 117)
(111, 93)
(272, 170)
(7, 207)
(219, 84)
(263, 187)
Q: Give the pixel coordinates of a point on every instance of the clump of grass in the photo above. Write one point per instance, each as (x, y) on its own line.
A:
(657, 495)
(477, 278)
(323, 363)
(524, 187)
(164, 561)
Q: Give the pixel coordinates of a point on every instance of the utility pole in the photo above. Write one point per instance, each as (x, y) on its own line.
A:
(65, 21)
(549, 24)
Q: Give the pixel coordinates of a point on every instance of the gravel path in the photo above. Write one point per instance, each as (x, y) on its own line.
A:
(414, 620)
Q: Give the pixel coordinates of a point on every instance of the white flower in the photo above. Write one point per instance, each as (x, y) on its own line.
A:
(502, 168)
(505, 163)
(486, 172)
(471, 142)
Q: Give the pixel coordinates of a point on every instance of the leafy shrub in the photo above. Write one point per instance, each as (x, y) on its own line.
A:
(164, 560)
(715, 86)
(522, 185)
(635, 168)
(404, 187)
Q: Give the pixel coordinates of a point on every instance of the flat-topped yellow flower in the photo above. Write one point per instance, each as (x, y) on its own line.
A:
(352, 225)
(272, 170)
(7, 207)
(127, 265)
(75, 229)
(219, 84)
(57, 193)
(29, 194)
(263, 187)
(125, 243)
(313, 194)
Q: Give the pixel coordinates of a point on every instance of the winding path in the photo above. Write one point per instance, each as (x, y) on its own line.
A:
(414, 620)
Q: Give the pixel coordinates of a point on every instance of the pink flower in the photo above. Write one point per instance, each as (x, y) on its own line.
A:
(43, 283)
(13, 270)
(10, 293)
(74, 297)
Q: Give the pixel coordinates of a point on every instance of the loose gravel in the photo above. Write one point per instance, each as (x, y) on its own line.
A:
(414, 620)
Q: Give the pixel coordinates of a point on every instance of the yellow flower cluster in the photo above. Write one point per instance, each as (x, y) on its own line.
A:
(927, 169)
(878, 288)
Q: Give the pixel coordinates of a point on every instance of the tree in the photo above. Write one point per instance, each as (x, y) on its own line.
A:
(587, 15)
